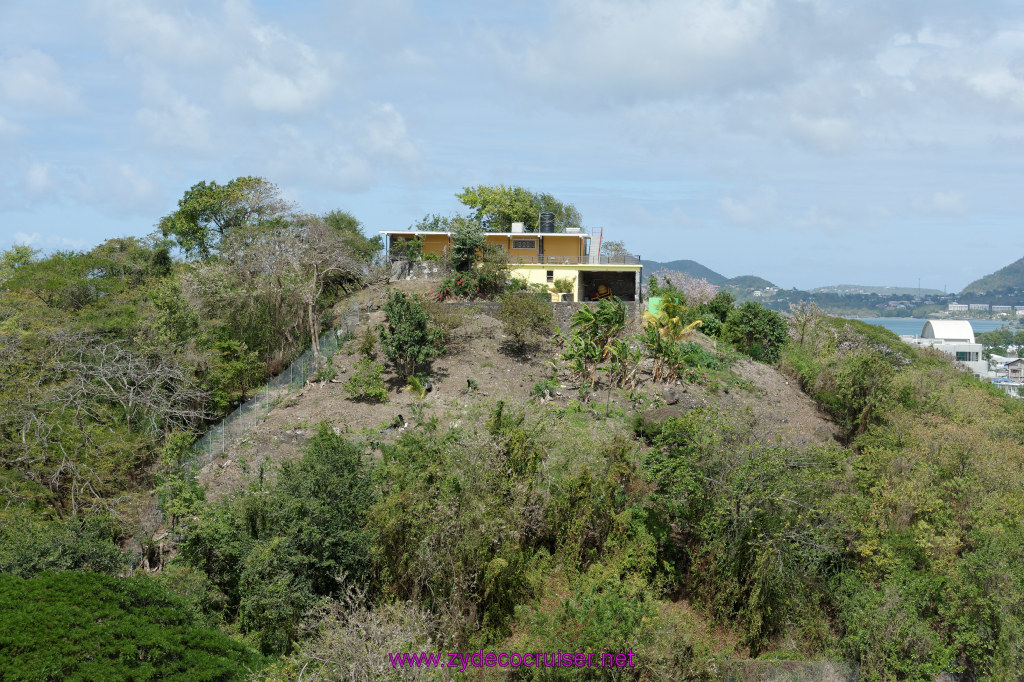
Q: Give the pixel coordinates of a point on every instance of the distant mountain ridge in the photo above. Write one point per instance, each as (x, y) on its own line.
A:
(741, 284)
(687, 267)
(748, 283)
(864, 289)
(1009, 277)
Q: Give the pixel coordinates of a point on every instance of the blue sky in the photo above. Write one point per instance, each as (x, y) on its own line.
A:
(810, 142)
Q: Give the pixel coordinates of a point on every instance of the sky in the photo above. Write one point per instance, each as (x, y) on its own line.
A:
(810, 142)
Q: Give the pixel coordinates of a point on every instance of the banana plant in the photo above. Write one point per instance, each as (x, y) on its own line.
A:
(624, 362)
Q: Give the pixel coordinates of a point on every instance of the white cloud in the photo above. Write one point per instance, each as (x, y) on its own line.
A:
(38, 179)
(115, 188)
(232, 54)
(33, 78)
(381, 133)
(828, 134)
(755, 209)
(609, 50)
(947, 204)
(143, 28)
(278, 72)
(172, 120)
(269, 87)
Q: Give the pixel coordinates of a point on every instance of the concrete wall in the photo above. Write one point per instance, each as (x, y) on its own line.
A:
(428, 269)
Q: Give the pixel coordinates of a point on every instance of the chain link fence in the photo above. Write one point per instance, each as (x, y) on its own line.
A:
(248, 415)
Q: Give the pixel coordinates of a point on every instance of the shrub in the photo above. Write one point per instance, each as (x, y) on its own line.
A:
(87, 543)
(367, 382)
(756, 331)
(563, 285)
(275, 551)
(468, 239)
(409, 249)
(327, 371)
(407, 338)
(445, 320)
(368, 344)
(525, 319)
(88, 626)
(459, 285)
(539, 388)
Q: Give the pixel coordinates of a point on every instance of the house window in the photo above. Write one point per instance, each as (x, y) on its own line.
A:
(551, 275)
(524, 244)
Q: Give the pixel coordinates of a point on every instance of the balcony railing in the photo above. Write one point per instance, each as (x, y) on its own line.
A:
(571, 260)
(554, 260)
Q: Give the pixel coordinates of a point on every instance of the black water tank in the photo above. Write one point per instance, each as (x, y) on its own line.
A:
(547, 222)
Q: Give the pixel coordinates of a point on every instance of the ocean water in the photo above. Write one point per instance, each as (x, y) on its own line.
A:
(911, 326)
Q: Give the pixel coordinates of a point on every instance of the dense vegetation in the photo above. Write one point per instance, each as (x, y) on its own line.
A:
(927, 504)
(114, 359)
(582, 524)
(89, 626)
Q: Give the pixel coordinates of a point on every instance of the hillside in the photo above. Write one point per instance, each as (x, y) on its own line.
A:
(765, 495)
(847, 289)
(687, 267)
(782, 411)
(1009, 277)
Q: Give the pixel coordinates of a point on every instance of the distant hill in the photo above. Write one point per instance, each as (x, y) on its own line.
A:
(747, 282)
(1010, 277)
(688, 267)
(845, 289)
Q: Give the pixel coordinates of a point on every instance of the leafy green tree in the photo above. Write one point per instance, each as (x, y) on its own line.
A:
(15, 257)
(87, 626)
(367, 382)
(363, 248)
(407, 337)
(467, 238)
(209, 211)
(615, 250)
(757, 331)
(432, 222)
(274, 550)
(237, 371)
(525, 318)
(497, 207)
(30, 545)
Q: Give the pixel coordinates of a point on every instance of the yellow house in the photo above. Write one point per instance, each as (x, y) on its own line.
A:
(543, 257)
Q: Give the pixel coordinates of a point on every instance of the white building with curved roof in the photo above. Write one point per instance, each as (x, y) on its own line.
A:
(956, 338)
(952, 331)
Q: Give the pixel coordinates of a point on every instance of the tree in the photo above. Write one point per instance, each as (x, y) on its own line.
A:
(497, 207)
(467, 240)
(695, 291)
(276, 550)
(757, 331)
(407, 339)
(525, 318)
(351, 230)
(15, 257)
(302, 255)
(616, 250)
(209, 211)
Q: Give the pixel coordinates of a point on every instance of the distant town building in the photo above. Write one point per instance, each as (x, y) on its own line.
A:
(958, 307)
(979, 306)
(1002, 308)
(954, 337)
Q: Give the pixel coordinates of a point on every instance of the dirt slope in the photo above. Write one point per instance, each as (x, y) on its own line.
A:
(780, 410)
